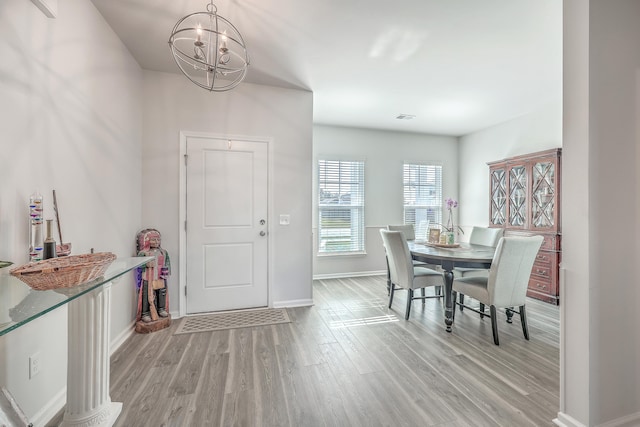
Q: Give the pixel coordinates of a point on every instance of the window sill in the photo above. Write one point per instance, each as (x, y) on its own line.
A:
(340, 254)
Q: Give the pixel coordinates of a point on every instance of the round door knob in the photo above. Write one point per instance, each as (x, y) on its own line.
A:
(262, 233)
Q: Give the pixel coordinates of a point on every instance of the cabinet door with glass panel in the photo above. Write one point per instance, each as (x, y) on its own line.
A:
(509, 195)
(498, 196)
(517, 212)
(544, 194)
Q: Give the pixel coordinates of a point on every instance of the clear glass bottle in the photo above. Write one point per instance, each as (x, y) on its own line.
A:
(49, 242)
(36, 241)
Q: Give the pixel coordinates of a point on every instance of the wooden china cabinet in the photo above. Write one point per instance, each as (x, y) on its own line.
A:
(525, 200)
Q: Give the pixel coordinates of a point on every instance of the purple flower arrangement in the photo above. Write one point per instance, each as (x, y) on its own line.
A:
(450, 227)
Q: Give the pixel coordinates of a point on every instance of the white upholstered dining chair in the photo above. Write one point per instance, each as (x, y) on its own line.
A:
(403, 274)
(479, 236)
(506, 284)
(408, 230)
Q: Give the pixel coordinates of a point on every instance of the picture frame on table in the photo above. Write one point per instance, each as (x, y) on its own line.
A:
(434, 235)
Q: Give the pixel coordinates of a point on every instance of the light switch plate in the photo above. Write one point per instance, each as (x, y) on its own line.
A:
(285, 219)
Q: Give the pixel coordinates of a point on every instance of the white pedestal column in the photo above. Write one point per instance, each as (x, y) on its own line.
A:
(88, 365)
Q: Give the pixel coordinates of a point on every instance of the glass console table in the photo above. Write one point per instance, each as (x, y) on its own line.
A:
(89, 331)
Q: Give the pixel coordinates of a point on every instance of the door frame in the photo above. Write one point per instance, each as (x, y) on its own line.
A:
(182, 216)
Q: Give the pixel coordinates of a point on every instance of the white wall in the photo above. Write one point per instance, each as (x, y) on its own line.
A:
(71, 121)
(173, 104)
(602, 135)
(537, 131)
(615, 200)
(575, 296)
(384, 153)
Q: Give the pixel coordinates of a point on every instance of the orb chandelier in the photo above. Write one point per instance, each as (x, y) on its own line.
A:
(209, 50)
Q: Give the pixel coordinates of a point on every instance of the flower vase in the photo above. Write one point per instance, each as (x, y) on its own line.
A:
(451, 238)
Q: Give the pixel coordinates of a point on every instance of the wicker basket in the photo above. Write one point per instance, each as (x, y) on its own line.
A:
(64, 272)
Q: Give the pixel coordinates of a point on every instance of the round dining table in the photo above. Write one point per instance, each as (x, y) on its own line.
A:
(448, 257)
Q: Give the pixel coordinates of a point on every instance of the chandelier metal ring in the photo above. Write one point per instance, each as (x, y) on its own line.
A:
(209, 50)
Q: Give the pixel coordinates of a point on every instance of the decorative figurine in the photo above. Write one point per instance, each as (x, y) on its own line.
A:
(151, 283)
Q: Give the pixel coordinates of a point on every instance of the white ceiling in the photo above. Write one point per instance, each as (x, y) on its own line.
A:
(457, 65)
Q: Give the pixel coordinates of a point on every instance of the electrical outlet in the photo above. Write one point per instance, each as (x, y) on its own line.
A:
(34, 365)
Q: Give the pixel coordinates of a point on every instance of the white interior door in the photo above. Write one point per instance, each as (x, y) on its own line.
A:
(226, 237)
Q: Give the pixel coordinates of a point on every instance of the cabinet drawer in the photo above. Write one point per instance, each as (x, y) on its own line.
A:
(542, 285)
(546, 265)
(542, 270)
(551, 242)
(541, 293)
(544, 257)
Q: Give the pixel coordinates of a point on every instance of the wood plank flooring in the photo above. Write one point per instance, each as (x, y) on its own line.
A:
(346, 361)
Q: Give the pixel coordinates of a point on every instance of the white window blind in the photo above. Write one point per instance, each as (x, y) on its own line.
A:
(340, 206)
(422, 197)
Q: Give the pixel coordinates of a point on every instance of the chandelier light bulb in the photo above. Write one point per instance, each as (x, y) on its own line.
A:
(223, 44)
(198, 41)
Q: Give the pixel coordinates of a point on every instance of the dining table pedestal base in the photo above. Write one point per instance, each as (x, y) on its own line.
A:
(448, 290)
(463, 255)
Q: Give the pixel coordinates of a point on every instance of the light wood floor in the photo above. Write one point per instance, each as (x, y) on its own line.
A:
(346, 361)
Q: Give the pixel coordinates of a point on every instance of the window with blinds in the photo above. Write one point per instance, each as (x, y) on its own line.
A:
(340, 206)
(422, 197)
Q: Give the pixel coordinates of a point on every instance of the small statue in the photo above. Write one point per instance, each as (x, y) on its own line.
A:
(153, 300)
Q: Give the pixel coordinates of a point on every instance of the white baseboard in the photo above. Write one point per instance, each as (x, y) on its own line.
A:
(293, 303)
(352, 274)
(632, 420)
(121, 338)
(565, 420)
(51, 409)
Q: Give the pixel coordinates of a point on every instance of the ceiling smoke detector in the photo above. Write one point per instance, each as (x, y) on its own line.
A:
(405, 116)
